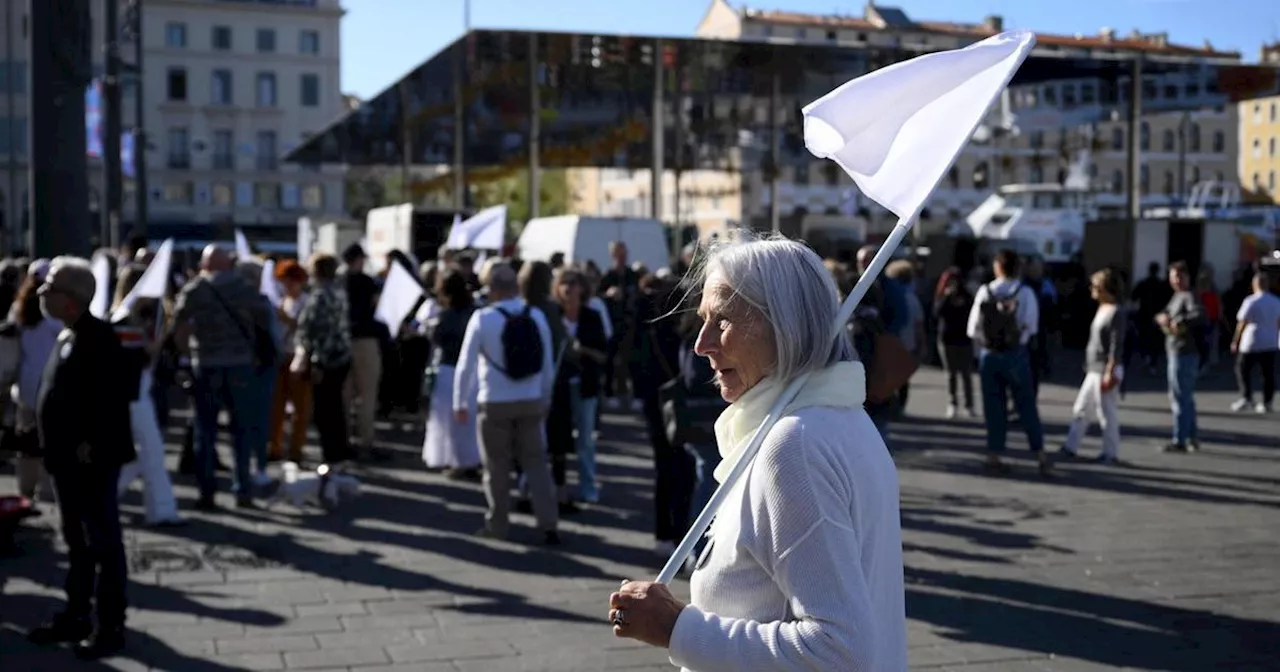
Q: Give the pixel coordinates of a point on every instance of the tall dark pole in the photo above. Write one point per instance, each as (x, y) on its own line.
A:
(535, 128)
(12, 206)
(1135, 140)
(61, 68)
(140, 194)
(111, 173)
(656, 132)
(775, 149)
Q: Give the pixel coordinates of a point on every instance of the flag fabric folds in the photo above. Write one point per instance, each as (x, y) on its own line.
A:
(243, 251)
(400, 293)
(102, 290)
(153, 283)
(268, 285)
(486, 230)
(898, 130)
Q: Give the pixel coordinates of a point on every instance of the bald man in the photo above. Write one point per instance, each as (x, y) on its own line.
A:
(221, 318)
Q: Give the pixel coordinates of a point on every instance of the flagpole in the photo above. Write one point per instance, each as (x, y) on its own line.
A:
(883, 255)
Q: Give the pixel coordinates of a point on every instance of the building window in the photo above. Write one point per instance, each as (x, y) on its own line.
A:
(1171, 92)
(309, 89)
(1271, 180)
(175, 35)
(1036, 175)
(179, 193)
(1144, 180)
(953, 178)
(18, 128)
(1036, 139)
(1068, 96)
(266, 41)
(266, 89)
(831, 172)
(224, 194)
(221, 38)
(1088, 94)
(1217, 176)
(1148, 89)
(1144, 136)
(176, 85)
(1193, 137)
(224, 152)
(1117, 181)
(313, 197)
(266, 150)
(1257, 148)
(266, 195)
(1257, 113)
(309, 42)
(1168, 141)
(179, 147)
(221, 87)
(1050, 95)
(1193, 89)
(802, 174)
(1219, 142)
(1195, 176)
(1117, 139)
(1168, 182)
(1257, 180)
(13, 79)
(1273, 113)
(1271, 147)
(981, 175)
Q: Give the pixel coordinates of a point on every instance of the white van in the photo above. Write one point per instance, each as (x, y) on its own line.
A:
(581, 238)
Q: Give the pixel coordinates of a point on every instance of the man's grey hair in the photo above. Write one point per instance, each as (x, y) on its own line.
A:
(787, 283)
(75, 277)
(250, 270)
(503, 279)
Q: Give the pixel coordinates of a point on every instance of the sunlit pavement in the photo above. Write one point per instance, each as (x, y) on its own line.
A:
(1168, 562)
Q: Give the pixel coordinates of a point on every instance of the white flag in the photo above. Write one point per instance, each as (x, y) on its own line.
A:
(102, 290)
(898, 130)
(268, 285)
(153, 283)
(485, 230)
(400, 292)
(456, 240)
(243, 251)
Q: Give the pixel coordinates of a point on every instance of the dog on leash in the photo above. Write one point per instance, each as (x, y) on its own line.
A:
(325, 487)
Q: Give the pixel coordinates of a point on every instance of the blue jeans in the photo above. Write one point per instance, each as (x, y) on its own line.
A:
(215, 388)
(1183, 370)
(1002, 373)
(706, 457)
(584, 421)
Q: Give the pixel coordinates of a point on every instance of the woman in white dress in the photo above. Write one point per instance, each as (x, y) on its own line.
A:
(449, 445)
(161, 509)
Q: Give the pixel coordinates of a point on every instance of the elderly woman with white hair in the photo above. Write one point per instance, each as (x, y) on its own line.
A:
(803, 569)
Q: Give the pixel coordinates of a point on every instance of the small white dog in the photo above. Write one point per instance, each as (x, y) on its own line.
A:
(326, 487)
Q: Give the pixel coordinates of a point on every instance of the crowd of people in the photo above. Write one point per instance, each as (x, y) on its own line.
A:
(510, 364)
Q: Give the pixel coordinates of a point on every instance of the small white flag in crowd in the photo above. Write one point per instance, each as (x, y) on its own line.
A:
(486, 230)
(898, 130)
(243, 251)
(268, 285)
(153, 283)
(400, 293)
(102, 290)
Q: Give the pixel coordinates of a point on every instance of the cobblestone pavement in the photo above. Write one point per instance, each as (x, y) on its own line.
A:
(1169, 562)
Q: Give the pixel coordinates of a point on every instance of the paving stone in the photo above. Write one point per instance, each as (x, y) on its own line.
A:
(336, 658)
(266, 644)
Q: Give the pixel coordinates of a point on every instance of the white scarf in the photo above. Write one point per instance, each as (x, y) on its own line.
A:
(842, 385)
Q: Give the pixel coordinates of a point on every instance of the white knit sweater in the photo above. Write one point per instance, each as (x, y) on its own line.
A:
(804, 567)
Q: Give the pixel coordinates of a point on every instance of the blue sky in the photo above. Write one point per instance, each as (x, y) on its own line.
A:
(383, 39)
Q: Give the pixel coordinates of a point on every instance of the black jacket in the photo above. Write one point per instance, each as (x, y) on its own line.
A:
(586, 370)
(84, 397)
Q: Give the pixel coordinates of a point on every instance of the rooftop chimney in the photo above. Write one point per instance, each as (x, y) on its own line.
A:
(1271, 53)
(1107, 34)
(994, 23)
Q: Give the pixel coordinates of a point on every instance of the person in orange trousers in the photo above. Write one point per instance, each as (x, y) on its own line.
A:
(291, 390)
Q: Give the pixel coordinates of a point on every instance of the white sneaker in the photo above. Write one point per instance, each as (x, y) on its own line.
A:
(1261, 408)
(1240, 405)
(951, 411)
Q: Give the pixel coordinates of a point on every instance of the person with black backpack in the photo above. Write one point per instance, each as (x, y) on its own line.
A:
(507, 350)
(1004, 318)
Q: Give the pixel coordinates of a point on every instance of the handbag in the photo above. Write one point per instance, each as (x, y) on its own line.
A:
(265, 353)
